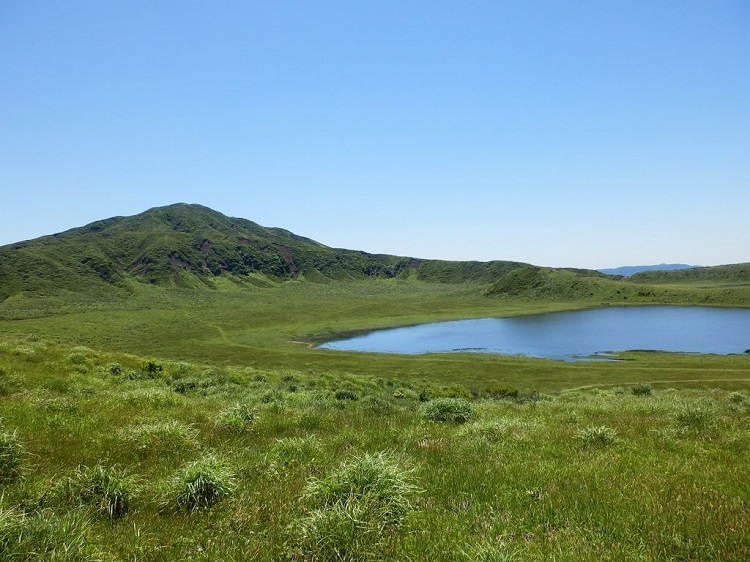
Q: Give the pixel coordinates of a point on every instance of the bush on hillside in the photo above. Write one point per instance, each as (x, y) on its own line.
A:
(455, 410)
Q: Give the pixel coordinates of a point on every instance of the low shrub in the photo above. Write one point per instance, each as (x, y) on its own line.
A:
(642, 389)
(455, 410)
(455, 391)
(115, 369)
(597, 436)
(501, 392)
(450, 391)
(152, 368)
(199, 484)
(11, 453)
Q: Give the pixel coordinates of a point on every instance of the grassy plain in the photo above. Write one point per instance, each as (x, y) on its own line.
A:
(274, 328)
(200, 425)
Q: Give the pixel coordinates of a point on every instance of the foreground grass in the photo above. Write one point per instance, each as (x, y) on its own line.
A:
(123, 457)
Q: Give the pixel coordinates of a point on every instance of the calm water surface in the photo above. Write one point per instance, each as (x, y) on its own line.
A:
(571, 335)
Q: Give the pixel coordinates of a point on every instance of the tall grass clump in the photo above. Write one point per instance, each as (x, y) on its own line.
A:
(346, 394)
(291, 451)
(455, 410)
(152, 397)
(161, 436)
(10, 528)
(597, 436)
(47, 536)
(238, 418)
(199, 484)
(11, 452)
(695, 417)
(496, 431)
(109, 489)
(354, 511)
(376, 405)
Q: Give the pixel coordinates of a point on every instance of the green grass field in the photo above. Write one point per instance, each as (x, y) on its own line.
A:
(201, 425)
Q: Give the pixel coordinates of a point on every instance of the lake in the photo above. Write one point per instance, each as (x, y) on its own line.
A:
(572, 335)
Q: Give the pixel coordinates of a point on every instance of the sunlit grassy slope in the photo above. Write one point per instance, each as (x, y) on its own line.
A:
(191, 246)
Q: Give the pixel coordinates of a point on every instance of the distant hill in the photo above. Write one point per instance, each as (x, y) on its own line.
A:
(191, 246)
(546, 283)
(738, 273)
(186, 245)
(629, 270)
(728, 284)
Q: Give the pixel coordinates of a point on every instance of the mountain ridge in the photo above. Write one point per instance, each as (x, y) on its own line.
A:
(189, 245)
(192, 246)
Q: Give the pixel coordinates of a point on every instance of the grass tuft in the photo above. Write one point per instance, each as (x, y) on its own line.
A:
(238, 418)
(11, 453)
(485, 552)
(353, 510)
(47, 535)
(455, 410)
(200, 484)
(695, 417)
(109, 489)
(597, 436)
(161, 436)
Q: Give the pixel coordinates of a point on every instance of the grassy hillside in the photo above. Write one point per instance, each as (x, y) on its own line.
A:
(728, 285)
(734, 274)
(119, 457)
(191, 246)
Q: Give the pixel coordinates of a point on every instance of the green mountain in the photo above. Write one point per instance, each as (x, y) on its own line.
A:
(185, 245)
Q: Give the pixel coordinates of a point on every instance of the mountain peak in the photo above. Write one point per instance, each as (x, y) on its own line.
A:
(190, 245)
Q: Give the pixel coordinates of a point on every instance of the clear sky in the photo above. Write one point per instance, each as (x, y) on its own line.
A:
(562, 133)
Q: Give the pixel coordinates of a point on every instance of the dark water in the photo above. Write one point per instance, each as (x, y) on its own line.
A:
(571, 335)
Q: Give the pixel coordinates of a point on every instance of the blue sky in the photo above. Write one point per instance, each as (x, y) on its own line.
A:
(560, 133)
